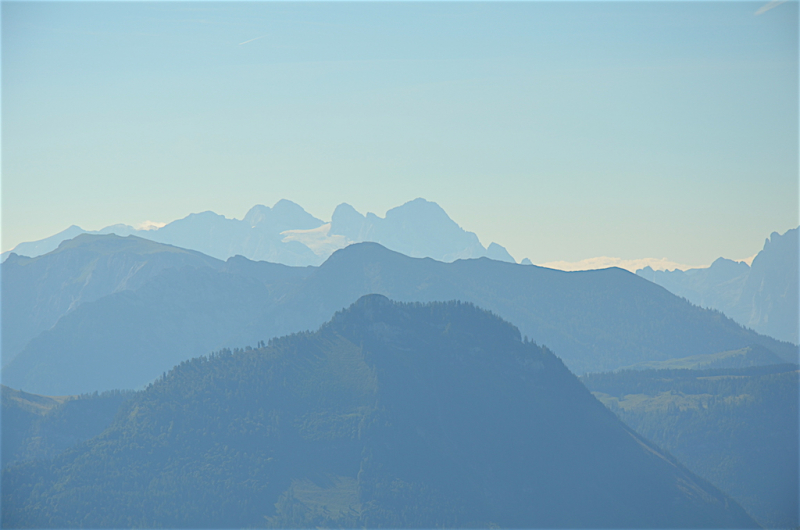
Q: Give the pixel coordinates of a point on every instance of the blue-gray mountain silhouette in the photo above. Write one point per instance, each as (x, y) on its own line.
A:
(418, 228)
(763, 296)
(594, 320)
(36, 292)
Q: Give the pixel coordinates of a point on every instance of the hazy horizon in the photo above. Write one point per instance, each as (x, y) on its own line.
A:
(596, 262)
(562, 131)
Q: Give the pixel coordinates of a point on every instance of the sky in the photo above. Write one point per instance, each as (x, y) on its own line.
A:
(561, 130)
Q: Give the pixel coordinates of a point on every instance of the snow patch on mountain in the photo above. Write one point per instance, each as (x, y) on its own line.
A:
(319, 239)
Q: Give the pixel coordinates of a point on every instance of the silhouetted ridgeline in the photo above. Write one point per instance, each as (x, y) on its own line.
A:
(594, 320)
(280, 234)
(763, 297)
(391, 415)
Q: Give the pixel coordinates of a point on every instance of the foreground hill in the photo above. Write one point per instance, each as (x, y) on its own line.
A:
(763, 296)
(596, 320)
(737, 428)
(391, 415)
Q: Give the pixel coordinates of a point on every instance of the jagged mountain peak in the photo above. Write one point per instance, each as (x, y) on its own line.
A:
(284, 215)
(417, 228)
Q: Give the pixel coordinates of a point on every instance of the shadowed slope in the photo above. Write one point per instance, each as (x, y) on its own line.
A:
(38, 291)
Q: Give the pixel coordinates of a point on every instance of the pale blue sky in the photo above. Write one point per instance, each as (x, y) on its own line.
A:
(562, 131)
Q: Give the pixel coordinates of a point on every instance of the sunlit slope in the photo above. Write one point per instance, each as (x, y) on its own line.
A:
(738, 428)
(391, 415)
(741, 358)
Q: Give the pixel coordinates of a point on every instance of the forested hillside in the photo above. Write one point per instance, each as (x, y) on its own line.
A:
(391, 415)
(737, 428)
(40, 427)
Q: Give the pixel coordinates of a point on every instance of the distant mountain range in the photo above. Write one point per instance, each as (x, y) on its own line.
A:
(390, 415)
(763, 296)
(287, 234)
(106, 312)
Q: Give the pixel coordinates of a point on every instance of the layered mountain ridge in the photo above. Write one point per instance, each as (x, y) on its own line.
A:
(595, 320)
(289, 235)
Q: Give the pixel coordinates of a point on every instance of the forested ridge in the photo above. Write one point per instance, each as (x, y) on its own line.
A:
(40, 427)
(391, 415)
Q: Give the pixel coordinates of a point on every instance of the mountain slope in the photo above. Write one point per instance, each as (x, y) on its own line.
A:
(391, 415)
(36, 292)
(742, 358)
(738, 428)
(257, 236)
(770, 302)
(128, 338)
(594, 319)
(37, 427)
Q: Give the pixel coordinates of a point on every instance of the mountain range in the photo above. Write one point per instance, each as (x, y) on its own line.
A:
(287, 234)
(131, 317)
(762, 296)
(390, 415)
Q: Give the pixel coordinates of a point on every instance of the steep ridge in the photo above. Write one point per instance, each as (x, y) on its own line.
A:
(36, 292)
(770, 299)
(763, 296)
(391, 415)
(596, 320)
